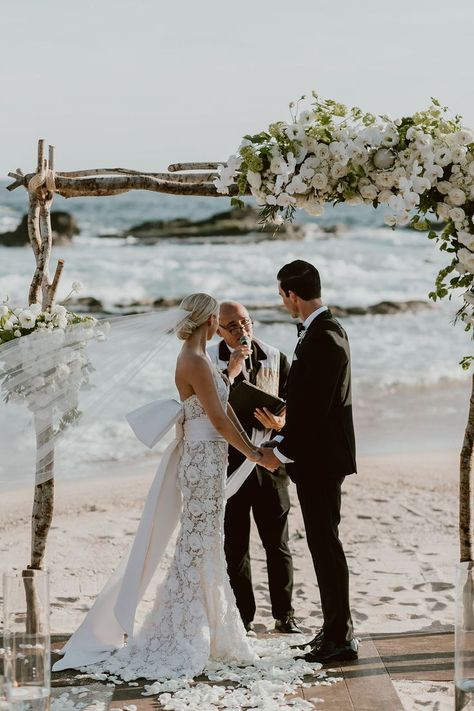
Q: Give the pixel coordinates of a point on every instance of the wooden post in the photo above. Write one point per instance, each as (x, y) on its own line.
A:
(465, 486)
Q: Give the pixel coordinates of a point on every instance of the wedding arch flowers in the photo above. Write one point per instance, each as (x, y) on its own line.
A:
(420, 166)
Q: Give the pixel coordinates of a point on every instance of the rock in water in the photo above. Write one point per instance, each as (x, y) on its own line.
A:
(64, 226)
(224, 226)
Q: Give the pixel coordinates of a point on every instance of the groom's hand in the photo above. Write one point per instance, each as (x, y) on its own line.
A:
(268, 459)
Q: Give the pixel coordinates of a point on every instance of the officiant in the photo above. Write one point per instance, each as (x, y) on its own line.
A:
(241, 356)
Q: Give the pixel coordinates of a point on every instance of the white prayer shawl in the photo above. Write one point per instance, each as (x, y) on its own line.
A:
(113, 612)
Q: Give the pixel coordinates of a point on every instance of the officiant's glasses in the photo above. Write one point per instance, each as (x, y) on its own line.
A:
(235, 328)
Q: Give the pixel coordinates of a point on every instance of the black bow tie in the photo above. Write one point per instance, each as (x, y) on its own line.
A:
(300, 327)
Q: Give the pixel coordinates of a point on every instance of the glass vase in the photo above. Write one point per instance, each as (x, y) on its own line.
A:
(27, 641)
(464, 638)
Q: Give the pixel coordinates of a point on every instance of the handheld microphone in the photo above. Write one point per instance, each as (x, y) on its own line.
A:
(246, 341)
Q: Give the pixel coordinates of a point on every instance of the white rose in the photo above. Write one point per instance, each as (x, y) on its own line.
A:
(354, 200)
(338, 171)
(295, 132)
(384, 180)
(390, 137)
(466, 239)
(306, 172)
(4, 311)
(403, 218)
(384, 197)
(368, 192)
(470, 168)
(35, 309)
(458, 154)
(444, 187)
(457, 214)
(321, 152)
(464, 137)
(442, 156)
(466, 259)
(338, 150)
(456, 197)
(27, 319)
(390, 220)
(8, 325)
(319, 181)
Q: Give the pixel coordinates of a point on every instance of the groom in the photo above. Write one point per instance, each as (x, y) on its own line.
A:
(318, 446)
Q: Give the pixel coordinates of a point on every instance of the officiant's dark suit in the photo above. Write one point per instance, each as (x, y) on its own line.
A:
(266, 496)
(319, 437)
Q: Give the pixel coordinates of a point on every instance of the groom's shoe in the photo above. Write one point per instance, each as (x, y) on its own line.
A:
(332, 652)
(315, 642)
(287, 624)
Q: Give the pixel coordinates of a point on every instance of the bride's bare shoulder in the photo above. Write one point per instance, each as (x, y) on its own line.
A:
(190, 365)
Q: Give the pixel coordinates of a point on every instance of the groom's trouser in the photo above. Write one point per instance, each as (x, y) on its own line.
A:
(270, 507)
(320, 503)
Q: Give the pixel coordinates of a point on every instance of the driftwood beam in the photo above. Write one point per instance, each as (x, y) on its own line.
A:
(174, 167)
(112, 185)
(117, 181)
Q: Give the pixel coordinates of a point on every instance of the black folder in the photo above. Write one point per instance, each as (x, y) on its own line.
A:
(245, 398)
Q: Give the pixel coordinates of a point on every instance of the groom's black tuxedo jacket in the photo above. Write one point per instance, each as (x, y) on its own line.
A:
(319, 431)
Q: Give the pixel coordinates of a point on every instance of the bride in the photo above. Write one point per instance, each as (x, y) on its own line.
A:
(194, 616)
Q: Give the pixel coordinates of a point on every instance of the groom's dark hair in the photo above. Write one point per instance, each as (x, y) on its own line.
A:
(302, 278)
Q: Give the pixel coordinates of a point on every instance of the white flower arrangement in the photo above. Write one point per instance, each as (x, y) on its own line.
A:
(48, 365)
(330, 153)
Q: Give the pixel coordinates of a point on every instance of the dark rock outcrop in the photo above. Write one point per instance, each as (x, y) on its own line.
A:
(222, 227)
(63, 225)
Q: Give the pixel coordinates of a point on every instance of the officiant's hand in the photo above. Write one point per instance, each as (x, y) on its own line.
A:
(269, 420)
(268, 459)
(236, 360)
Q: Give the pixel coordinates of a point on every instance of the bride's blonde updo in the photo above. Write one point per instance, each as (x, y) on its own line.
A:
(200, 307)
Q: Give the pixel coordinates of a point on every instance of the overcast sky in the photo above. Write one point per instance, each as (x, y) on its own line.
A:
(141, 83)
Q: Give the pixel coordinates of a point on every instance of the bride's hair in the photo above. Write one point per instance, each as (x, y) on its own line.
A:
(200, 307)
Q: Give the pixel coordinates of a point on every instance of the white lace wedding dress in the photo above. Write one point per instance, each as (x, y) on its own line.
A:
(194, 617)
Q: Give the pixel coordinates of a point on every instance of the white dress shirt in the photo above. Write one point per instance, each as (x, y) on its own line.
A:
(306, 323)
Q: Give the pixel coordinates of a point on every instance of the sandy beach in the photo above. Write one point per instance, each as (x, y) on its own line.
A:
(399, 529)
